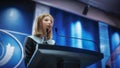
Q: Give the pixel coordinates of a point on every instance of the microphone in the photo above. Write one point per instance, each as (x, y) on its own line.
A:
(47, 32)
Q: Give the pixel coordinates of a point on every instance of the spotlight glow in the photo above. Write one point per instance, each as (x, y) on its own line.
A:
(11, 15)
(115, 39)
(76, 31)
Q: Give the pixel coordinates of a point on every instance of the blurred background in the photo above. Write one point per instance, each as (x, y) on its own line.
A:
(87, 24)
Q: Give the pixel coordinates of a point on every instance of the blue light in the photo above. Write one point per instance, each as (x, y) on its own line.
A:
(115, 40)
(76, 31)
(11, 15)
(12, 19)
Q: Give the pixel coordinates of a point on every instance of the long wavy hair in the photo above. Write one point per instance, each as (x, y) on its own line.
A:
(38, 28)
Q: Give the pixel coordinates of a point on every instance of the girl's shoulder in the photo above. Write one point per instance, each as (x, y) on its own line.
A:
(36, 39)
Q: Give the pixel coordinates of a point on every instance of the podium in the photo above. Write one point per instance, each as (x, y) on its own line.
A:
(69, 57)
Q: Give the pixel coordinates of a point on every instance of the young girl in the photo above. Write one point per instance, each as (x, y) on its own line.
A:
(42, 34)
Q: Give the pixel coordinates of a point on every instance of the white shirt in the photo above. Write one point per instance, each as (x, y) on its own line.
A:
(40, 40)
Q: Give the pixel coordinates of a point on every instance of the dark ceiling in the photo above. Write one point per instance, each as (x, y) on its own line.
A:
(109, 6)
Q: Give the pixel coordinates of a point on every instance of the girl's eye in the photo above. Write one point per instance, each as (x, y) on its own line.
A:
(46, 19)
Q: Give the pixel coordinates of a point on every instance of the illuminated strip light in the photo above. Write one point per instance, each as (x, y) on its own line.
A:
(16, 32)
(116, 52)
(113, 56)
(76, 30)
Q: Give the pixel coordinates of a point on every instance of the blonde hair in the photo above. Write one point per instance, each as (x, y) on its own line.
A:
(38, 28)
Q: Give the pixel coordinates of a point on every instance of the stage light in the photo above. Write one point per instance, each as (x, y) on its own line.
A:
(11, 15)
(85, 10)
(76, 29)
(76, 32)
(115, 39)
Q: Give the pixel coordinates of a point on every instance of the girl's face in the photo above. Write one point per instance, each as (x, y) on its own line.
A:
(47, 24)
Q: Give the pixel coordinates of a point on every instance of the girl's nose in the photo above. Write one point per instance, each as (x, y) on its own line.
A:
(49, 22)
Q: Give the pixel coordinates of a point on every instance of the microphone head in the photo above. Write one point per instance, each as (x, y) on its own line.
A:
(56, 30)
(47, 31)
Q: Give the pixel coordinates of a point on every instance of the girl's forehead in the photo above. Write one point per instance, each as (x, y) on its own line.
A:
(46, 17)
